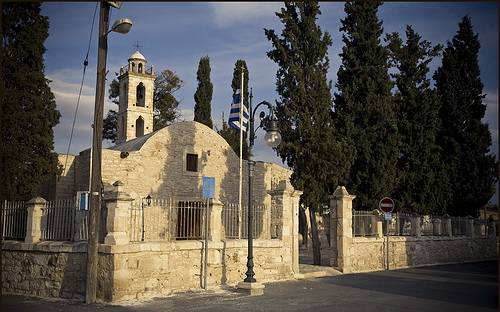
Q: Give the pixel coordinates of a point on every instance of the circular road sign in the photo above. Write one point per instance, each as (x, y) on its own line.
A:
(386, 204)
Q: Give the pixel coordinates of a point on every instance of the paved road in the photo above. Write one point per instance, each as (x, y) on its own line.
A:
(463, 287)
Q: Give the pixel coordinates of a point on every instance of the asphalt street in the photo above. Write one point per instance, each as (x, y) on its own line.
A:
(458, 287)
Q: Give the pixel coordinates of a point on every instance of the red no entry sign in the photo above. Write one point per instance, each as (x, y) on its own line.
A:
(386, 204)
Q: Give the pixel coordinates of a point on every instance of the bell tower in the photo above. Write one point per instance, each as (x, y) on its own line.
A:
(135, 112)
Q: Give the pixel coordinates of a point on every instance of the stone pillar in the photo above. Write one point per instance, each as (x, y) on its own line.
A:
(415, 226)
(447, 225)
(492, 228)
(215, 221)
(285, 194)
(469, 227)
(118, 203)
(341, 203)
(333, 231)
(377, 223)
(266, 219)
(34, 220)
(436, 227)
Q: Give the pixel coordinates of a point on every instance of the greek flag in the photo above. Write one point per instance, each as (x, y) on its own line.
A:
(234, 115)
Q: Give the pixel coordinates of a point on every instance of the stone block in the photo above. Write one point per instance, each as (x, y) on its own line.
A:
(251, 289)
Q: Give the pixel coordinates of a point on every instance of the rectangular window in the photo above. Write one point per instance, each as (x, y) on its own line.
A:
(192, 162)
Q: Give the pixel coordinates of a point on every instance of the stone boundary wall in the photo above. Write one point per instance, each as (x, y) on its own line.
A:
(361, 254)
(137, 270)
(144, 269)
(369, 254)
(49, 269)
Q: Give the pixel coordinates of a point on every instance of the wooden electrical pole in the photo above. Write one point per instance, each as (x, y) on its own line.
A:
(95, 182)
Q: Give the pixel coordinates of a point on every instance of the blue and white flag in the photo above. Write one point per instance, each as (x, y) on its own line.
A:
(234, 115)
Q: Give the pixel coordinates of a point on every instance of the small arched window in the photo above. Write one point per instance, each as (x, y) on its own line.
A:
(139, 68)
(140, 95)
(139, 127)
(133, 67)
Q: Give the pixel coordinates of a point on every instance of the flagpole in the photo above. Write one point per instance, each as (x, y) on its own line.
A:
(241, 148)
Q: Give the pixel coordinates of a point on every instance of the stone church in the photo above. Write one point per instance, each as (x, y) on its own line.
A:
(169, 162)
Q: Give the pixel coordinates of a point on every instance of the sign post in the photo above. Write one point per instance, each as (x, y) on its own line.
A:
(208, 190)
(386, 204)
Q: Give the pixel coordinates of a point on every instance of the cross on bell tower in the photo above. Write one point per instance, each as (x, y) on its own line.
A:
(137, 46)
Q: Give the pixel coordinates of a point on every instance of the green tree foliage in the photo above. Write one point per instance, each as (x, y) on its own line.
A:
(164, 102)
(364, 110)
(165, 105)
(464, 139)
(109, 130)
(203, 95)
(28, 106)
(422, 186)
(309, 146)
(232, 136)
(110, 123)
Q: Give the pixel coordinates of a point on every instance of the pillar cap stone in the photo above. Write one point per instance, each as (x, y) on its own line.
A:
(37, 200)
(284, 187)
(117, 193)
(341, 192)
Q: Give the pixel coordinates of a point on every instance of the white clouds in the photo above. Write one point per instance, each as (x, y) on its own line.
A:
(231, 13)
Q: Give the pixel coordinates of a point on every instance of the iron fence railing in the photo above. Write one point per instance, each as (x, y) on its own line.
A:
(480, 227)
(427, 225)
(167, 219)
(58, 219)
(14, 220)
(364, 223)
(401, 224)
(235, 221)
(459, 226)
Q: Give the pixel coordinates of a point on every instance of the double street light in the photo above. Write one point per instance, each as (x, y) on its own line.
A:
(121, 26)
(272, 139)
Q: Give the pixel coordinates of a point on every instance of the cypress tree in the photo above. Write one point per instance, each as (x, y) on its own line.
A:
(304, 108)
(29, 108)
(203, 95)
(422, 187)
(464, 139)
(364, 110)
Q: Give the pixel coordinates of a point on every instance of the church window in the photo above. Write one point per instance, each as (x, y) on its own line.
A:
(133, 67)
(139, 68)
(139, 127)
(192, 162)
(140, 94)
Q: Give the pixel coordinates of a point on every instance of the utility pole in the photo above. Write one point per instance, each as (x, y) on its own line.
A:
(96, 182)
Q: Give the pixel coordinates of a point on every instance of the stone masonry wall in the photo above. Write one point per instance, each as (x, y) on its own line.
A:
(368, 254)
(50, 270)
(358, 254)
(148, 269)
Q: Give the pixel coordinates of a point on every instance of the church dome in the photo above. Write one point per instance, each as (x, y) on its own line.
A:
(137, 56)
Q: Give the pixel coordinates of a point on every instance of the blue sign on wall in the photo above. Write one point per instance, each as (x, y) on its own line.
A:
(208, 187)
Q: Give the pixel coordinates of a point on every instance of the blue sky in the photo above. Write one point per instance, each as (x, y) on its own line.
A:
(176, 35)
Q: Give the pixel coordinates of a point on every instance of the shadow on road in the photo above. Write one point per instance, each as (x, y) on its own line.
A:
(473, 284)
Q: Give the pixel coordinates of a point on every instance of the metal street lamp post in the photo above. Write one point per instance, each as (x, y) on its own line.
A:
(120, 26)
(273, 139)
